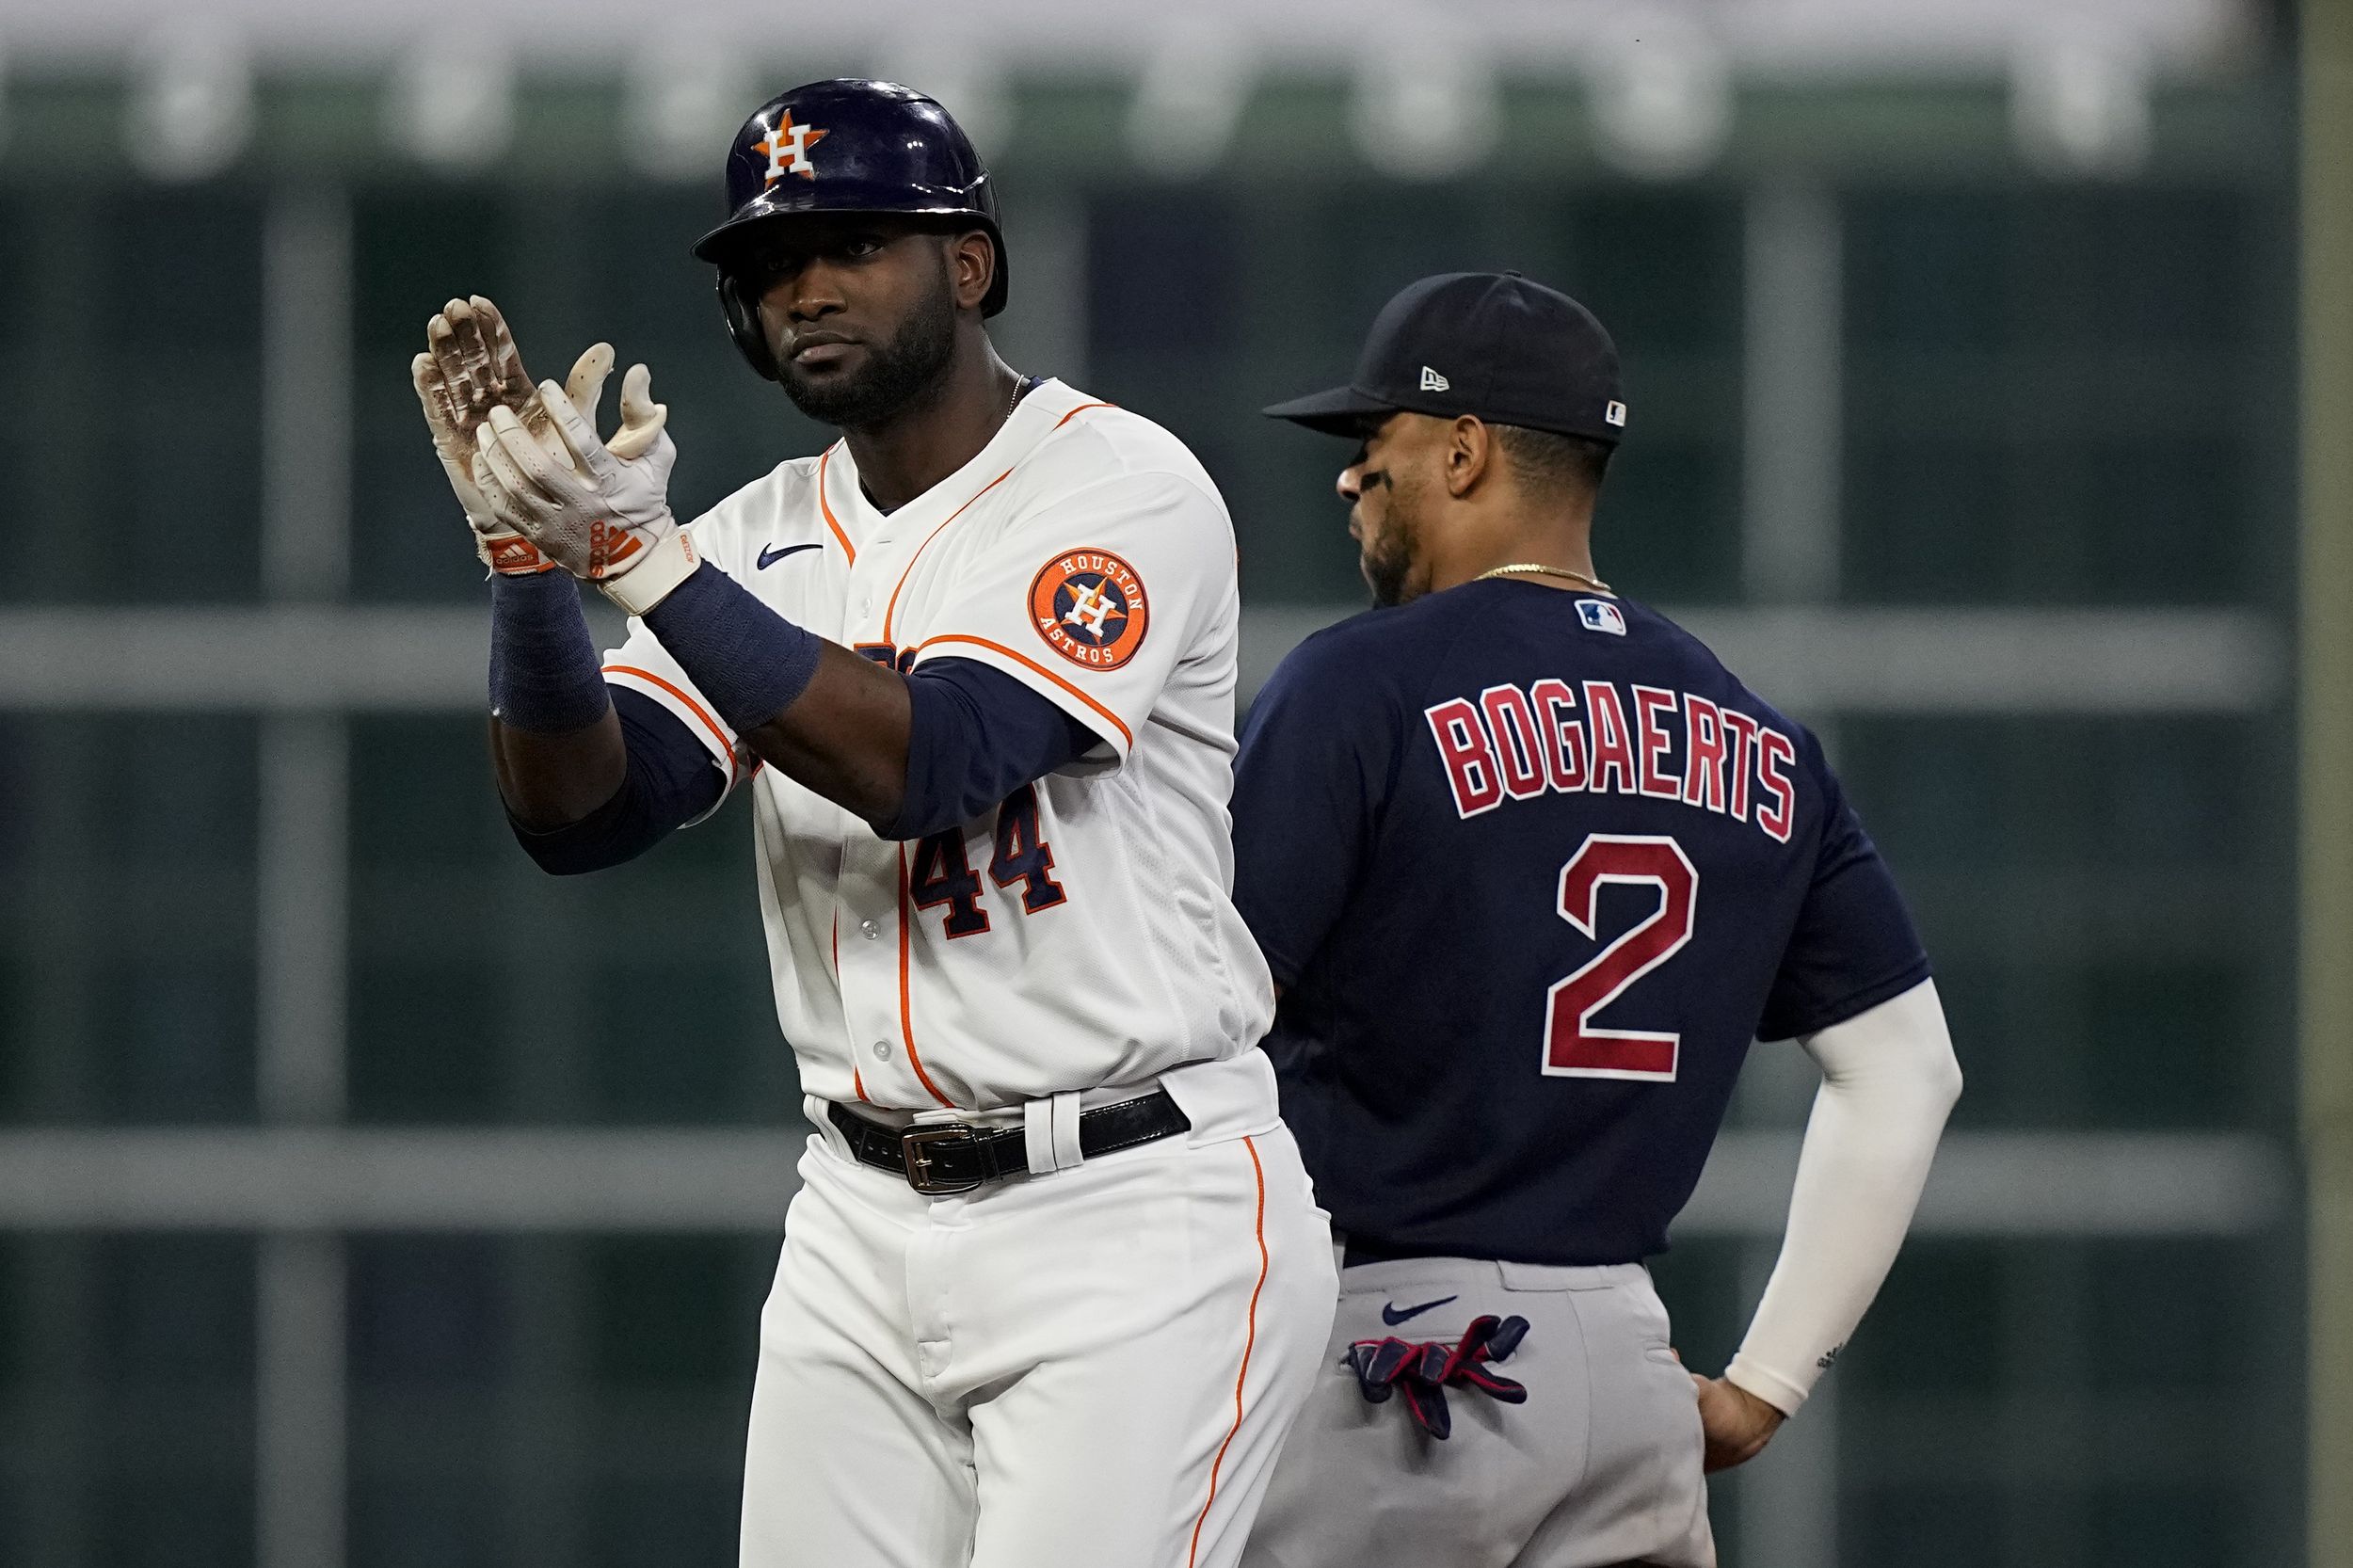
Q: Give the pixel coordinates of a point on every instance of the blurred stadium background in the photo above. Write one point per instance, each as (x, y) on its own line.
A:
(1962, 346)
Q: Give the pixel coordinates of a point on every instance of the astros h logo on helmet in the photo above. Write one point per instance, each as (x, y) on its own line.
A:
(1089, 606)
(787, 146)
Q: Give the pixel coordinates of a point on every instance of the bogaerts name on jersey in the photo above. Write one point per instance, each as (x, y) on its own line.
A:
(1515, 743)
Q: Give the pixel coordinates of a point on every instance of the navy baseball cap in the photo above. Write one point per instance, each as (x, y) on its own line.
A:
(1494, 344)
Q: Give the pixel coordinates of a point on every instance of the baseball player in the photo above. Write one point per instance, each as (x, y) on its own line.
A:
(1532, 868)
(1055, 1284)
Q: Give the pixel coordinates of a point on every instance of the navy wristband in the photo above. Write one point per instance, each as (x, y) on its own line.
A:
(748, 661)
(544, 675)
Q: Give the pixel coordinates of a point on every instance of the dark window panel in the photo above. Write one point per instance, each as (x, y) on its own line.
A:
(174, 1039)
(126, 991)
(1924, 521)
(1667, 528)
(1942, 519)
(19, 1044)
(2169, 1315)
(425, 1514)
(174, 1311)
(423, 796)
(670, 1312)
(1938, 1326)
(684, 1048)
(640, 1521)
(1701, 1284)
(1956, 1526)
(2168, 1527)
(16, 1349)
(2054, 395)
(429, 1312)
(2173, 1044)
(2048, 793)
(426, 1041)
(1661, 269)
(2169, 267)
(1165, 276)
(200, 1516)
(1925, 269)
(133, 324)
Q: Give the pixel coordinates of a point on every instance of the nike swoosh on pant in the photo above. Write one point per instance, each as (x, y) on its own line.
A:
(1392, 1316)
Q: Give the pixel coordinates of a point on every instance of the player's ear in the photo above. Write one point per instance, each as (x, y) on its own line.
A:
(1470, 453)
(972, 262)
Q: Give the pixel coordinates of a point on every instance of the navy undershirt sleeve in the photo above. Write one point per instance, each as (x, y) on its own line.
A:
(1317, 766)
(1854, 946)
(976, 734)
(672, 779)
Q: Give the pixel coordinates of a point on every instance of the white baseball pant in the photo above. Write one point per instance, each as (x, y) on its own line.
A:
(1089, 1368)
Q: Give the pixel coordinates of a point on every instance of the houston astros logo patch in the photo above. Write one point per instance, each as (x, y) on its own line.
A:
(787, 148)
(1088, 604)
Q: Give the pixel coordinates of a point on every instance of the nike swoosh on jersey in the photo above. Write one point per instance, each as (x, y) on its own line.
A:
(770, 556)
(1392, 1316)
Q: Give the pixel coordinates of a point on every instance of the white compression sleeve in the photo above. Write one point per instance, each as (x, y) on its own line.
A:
(1888, 1079)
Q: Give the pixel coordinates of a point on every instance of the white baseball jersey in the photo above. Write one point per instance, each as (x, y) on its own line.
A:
(1082, 934)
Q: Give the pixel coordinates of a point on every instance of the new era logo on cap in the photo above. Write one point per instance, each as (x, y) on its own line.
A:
(1614, 414)
(1432, 381)
(1599, 614)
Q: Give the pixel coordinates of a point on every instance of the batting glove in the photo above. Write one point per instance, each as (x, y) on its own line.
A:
(599, 514)
(471, 366)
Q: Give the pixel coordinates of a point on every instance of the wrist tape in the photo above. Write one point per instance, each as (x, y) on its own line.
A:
(749, 662)
(544, 676)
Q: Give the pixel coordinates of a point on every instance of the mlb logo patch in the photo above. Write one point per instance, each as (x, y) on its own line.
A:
(1614, 413)
(1599, 614)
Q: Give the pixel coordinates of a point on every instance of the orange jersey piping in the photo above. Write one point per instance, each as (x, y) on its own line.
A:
(710, 724)
(1109, 717)
(1249, 1342)
(826, 507)
(907, 1014)
(892, 610)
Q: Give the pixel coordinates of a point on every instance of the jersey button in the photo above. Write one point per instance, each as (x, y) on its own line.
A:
(871, 929)
(881, 1051)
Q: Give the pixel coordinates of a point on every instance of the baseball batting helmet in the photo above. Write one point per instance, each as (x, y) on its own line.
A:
(847, 145)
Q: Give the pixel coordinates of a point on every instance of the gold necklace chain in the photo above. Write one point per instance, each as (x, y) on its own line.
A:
(1594, 583)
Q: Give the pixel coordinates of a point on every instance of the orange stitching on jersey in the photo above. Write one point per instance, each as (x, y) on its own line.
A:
(907, 1015)
(892, 610)
(709, 723)
(1081, 410)
(825, 506)
(999, 647)
(1249, 1341)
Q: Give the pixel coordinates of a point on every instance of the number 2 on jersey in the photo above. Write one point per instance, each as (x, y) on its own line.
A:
(1575, 1046)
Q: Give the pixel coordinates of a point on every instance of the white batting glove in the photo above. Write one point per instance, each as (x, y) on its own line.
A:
(504, 551)
(600, 515)
(471, 366)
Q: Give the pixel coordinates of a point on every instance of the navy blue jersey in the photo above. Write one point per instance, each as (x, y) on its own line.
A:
(1532, 869)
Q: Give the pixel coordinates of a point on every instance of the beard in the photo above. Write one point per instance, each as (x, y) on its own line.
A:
(898, 375)
(1387, 557)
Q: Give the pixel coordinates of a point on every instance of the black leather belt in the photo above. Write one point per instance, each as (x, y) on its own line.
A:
(941, 1159)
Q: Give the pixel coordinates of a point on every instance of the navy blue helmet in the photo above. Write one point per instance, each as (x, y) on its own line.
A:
(847, 145)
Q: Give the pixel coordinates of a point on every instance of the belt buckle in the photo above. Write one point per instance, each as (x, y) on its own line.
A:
(913, 1144)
